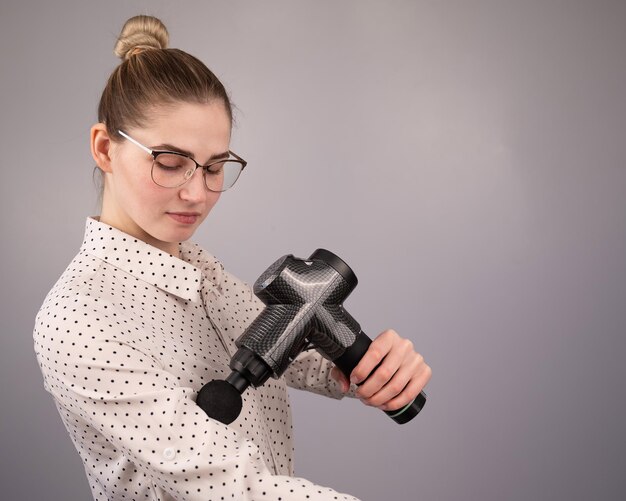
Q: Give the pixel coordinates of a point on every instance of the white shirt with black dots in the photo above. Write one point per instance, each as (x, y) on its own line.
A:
(126, 338)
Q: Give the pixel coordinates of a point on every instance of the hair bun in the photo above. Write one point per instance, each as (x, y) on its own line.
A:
(141, 33)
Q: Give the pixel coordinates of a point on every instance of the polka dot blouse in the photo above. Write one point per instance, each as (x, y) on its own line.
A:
(126, 338)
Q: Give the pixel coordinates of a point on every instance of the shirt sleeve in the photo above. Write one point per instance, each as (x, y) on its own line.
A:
(144, 413)
(310, 371)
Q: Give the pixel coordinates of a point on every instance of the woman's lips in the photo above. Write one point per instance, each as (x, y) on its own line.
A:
(184, 217)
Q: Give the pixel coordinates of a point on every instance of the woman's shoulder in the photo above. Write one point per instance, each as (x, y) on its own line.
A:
(78, 274)
(70, 293)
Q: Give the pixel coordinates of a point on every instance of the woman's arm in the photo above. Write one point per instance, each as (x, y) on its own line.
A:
(145, 413)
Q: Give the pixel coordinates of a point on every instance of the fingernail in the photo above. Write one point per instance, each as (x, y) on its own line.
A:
(354, 379)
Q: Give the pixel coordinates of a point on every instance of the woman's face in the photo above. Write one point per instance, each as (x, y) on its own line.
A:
(162, 217)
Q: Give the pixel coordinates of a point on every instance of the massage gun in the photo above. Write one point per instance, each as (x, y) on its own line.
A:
(303, 299)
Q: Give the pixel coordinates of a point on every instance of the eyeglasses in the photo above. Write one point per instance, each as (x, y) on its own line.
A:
(171, 169)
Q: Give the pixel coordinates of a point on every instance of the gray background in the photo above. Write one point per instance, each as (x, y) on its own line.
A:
(466, 159)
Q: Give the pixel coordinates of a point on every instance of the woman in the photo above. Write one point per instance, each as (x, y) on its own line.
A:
(141, 319)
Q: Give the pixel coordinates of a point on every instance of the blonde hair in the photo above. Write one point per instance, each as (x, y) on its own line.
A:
(141, 33)
(151, 74)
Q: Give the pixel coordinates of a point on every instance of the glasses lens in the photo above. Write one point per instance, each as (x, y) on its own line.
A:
(170, 170)
(222, 175)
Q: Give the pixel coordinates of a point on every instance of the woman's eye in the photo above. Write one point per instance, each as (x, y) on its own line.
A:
(170, 162)
(168, 167)
(215, 168)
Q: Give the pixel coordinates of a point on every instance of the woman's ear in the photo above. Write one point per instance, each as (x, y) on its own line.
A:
(101, 147)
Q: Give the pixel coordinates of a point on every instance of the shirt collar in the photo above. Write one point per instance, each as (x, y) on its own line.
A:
(181, 277)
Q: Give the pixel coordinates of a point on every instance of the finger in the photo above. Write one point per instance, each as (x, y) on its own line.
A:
(410, 392)
(399, 355)
(340, 377)
(374, 354)
(396, 384)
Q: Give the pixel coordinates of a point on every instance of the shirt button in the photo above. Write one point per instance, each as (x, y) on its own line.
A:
(169, 453)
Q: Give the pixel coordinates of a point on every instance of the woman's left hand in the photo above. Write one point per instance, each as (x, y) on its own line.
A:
(400, 378)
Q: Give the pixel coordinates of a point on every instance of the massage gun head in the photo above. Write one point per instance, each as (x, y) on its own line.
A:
(292, 280)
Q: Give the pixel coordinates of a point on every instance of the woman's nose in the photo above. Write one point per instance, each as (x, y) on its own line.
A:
(194, 189)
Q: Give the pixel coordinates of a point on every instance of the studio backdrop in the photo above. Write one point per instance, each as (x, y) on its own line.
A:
(465, 158)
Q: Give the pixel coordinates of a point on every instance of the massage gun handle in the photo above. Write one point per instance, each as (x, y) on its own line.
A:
(349, 360)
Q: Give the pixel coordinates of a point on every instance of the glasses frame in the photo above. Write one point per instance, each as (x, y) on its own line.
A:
(156, 153)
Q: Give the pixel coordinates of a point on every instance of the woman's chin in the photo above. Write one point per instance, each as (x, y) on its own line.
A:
(181, 233)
